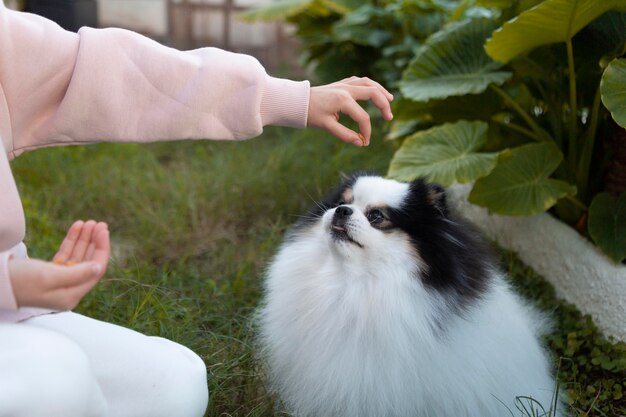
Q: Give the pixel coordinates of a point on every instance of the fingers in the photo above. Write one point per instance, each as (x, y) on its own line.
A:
(102, 250)
(80, 244)
(377, 97)
(364, 81)
(37, 283)
(63, 278)
(362, 88)
(71, 284)
(98, 229)
(341, 97)
(356, 113)
(344, 134)
(80, 248)
(67, 246)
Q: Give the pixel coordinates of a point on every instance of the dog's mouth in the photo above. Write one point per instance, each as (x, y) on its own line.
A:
(341, 233)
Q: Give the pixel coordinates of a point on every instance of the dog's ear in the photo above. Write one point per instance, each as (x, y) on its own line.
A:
(436, 197)
(433, 194)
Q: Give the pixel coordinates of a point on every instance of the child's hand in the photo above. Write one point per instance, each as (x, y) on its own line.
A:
(79, 264)
(327, 101)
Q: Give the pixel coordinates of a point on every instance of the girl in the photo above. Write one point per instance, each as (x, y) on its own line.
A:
(62, 88)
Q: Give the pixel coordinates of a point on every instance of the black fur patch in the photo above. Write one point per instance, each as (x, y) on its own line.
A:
(458, 262)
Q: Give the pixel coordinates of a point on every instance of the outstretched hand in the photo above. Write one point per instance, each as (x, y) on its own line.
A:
(328, 101)
(79, 264)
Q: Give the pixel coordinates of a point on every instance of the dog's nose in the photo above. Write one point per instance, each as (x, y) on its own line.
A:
(343, 211)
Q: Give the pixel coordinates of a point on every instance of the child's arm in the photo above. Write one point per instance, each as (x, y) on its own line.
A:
(61, 88)
(115, 85)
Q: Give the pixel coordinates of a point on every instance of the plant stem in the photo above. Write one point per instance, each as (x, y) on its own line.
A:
(595, 111)
(517, 128)
(553, 107)
(582, 170)
(576, 202)
(573, 134)
(540, 134)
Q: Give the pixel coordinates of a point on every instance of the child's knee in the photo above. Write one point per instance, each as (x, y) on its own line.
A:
(184, 382)
(194, 376)
(52, 378)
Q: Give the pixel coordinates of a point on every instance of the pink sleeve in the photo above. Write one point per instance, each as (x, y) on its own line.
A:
(7, 299)
(116, 85)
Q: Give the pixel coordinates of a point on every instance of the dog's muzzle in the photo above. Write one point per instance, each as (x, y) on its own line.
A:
(338, 225)
(341, 216)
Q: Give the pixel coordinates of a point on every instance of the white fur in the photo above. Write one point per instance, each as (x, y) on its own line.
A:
(350, 331)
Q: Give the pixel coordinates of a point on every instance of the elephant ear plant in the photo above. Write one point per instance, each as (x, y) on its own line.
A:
(528, 104)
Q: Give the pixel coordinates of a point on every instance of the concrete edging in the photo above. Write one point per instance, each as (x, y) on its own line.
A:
(580, 273)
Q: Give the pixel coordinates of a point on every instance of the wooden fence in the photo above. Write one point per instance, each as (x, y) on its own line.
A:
(197, 23)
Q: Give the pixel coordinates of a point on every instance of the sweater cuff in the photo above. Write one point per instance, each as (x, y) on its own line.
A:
(7, 298)
(285, 103)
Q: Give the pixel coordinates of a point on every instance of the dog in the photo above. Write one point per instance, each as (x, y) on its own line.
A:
(381, 303)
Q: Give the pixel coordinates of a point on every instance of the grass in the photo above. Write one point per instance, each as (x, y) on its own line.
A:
(194, 223)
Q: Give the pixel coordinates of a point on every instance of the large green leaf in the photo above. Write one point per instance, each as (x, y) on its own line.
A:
(549, 22)
(607, 225)
(445, 154)
(613, 89)
(520, 184)
(404, 109)
(470, 106)
(453, 62)
(402, 128)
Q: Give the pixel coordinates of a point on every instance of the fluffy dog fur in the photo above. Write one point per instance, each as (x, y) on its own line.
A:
(380, 303)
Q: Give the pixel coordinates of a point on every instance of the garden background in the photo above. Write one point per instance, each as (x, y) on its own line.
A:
(193, 224)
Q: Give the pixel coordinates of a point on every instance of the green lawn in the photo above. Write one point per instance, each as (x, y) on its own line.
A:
(193, 224)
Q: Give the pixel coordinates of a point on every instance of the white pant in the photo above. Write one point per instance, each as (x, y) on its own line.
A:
(68, 365)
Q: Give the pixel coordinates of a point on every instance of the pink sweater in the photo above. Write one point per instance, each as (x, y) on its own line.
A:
(61, 88)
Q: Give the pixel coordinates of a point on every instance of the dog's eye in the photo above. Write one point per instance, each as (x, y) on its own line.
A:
(375, 216)
(341, 203)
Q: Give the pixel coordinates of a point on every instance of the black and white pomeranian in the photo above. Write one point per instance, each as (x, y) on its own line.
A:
(380, 303)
